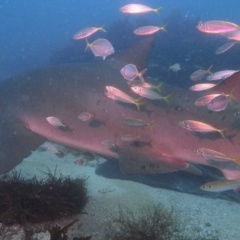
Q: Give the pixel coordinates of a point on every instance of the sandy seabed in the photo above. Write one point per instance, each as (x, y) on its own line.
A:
(204, 216)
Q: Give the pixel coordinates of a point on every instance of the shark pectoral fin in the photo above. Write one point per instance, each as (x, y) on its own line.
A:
(140, 161)
(16, 143)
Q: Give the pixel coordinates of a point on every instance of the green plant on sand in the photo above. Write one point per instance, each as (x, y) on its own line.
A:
(150, 223)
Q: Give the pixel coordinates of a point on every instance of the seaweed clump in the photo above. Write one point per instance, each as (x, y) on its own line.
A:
(35, 201)
(58, 233)
(150, 223)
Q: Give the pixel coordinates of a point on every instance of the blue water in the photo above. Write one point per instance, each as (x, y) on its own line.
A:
(31, 31)
(39, 33)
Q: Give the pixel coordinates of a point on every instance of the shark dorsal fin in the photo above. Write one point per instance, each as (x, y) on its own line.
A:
(137, 54)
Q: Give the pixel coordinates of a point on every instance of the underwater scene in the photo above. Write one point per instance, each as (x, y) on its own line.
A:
(119, 120)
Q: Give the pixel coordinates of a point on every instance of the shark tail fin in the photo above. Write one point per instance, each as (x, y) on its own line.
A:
(16, 143)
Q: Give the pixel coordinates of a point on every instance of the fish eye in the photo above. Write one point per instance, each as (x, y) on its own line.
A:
(237, 114)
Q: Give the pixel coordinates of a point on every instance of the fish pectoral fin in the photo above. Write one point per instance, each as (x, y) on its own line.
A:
(16, 143)
(142, 161)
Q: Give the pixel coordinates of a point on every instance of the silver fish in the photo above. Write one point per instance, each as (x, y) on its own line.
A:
(134, 122)
(55, 122)
(199, 74)
(100, 48)
(220, 185)
(85, 116)
(148, 30)
(130, 137)
(148, 93)
(225, 47)
(175, 67)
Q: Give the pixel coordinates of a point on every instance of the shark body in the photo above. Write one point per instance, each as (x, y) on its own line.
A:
(65, 91)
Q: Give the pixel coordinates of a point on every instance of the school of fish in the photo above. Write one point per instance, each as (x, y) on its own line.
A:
(135, 79)
(141, 91)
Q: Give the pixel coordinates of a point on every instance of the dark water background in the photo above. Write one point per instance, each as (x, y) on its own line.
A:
(39, 33)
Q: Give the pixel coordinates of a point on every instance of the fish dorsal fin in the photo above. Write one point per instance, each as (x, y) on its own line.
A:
(137, 54)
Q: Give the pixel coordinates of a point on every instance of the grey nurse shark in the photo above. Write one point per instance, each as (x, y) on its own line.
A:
(65, 91)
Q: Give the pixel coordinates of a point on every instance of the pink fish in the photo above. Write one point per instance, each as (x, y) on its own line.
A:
(205, 100)
(202, 86)
(138, 8)
(148, 30)
(86, 32)
(130, 72)
(219, 103)
(235, 35)
(217, 27)
(100, 48)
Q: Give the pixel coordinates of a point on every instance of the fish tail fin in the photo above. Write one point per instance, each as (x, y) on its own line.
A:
(150, 124)
(237, 160)
(231, 97)
(159, 86)
(140, 75)
(209, 69)
(157, 10)
(138, 104)
(169, 67)
(87, 45)
(222, 132)
(164, 27)
(102, 28)
(138, 100)
(166, 98)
